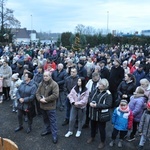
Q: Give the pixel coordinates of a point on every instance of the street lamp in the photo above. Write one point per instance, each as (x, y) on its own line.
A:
(107, 20)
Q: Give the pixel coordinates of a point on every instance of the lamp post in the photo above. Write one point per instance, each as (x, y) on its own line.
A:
(107, 20)
(31, 30)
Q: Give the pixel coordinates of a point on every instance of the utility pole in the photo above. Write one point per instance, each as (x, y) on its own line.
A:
(107, 21)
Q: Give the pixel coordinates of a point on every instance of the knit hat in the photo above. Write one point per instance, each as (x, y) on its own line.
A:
(81, 62)
(15, 76)
(20, 62)
(123, 101)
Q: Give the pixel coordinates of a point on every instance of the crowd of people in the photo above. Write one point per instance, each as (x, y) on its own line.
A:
(93, 86)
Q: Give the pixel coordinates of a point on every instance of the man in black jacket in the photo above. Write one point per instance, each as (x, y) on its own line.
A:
(59, 76)
(70, 82)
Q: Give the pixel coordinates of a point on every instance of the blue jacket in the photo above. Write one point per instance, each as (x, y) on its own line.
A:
(122, 121)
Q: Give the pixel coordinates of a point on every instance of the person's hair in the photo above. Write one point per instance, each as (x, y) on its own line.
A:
(131, 76)
(144, 81)
(41, 66)
(104, 82)
(83, 87)
(30, 75)
(94, 74)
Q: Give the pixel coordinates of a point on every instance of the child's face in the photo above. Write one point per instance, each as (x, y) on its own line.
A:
(123, 106)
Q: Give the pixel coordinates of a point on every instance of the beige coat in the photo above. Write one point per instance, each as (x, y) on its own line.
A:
(6, 73)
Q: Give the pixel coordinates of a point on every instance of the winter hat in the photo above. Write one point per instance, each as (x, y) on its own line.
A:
(15, 76)
(125, 62)
(124, 102)
(124, 106)
(81, 62)
(20, 62)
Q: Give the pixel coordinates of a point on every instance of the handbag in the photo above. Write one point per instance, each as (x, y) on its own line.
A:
(104, 116)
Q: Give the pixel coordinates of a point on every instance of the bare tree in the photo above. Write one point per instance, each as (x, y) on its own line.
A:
(7, 18)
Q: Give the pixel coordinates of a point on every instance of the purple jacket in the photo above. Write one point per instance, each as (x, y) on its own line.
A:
(137, 106)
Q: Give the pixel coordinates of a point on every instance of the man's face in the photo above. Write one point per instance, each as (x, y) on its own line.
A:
(95, 78)
(73, 72)
(46, 76)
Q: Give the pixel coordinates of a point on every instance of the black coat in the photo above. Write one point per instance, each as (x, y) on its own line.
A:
(104, 73)
(59, 77)
(103, 101)
(116, 76)
(126, 88)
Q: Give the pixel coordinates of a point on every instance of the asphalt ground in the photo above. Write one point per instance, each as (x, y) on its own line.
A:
(34, 141)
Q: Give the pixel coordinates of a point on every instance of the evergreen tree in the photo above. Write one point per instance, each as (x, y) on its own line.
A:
(77, 44)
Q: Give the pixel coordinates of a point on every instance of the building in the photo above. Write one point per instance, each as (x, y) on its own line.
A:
(24, 36)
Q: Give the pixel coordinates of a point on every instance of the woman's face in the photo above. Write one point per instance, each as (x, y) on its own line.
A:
(144, 85)
(123, 106)
(79, 82)
(101, 86)
(126, 77)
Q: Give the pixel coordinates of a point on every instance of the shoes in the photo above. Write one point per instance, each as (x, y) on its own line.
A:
(111, 144)
(78, 133)
(131, 139)
(90, 140)
(29, 130)
(18, 129)
(45, 133)
(101, 145)
(66, 121)
(120, 143)
(69, 133)
(13, 110)
(55, 140)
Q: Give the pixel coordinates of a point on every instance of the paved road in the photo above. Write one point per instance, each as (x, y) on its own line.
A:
(33, 141)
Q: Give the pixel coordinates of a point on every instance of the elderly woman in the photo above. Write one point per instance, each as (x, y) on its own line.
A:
(146, 85)
(100, 103)
(5, 74)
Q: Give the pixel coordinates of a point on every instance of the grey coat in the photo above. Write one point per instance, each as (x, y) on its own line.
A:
(144, 126)
(6, 73)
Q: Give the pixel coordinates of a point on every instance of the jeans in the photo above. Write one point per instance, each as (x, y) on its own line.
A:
(61, 99)
(68, 108)
(142, 140)
(49, 118)
(76, 113)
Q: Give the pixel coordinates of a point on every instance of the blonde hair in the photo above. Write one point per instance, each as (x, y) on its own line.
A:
(104, 82)
(144, 81)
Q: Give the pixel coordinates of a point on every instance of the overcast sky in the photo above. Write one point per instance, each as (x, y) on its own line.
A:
(64, 15)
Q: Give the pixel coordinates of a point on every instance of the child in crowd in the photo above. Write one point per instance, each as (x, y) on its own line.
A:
(15, 83)
(144, 127)
(122, 120)
(137, 106)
